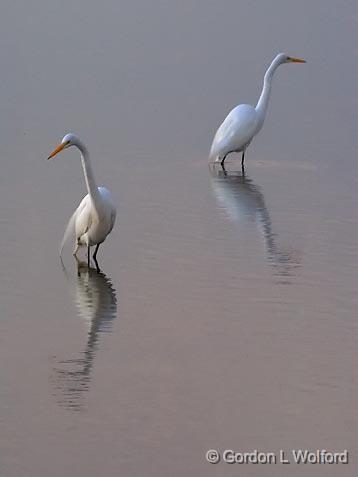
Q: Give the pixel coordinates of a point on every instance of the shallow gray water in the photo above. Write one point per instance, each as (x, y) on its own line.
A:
(225, 312)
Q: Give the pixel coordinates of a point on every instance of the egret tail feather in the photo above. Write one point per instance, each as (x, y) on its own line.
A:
(70, 230)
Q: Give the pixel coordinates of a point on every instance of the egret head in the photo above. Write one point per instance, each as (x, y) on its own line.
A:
(283, 58)
(67, 141)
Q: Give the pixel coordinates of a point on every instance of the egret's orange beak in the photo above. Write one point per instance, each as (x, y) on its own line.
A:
(297, 60)
(57, 150)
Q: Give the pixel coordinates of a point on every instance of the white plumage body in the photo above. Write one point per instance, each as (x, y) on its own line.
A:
(94, 222)
(236, 132)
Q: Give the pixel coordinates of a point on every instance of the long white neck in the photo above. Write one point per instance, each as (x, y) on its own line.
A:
(263, 101)
(88, 173)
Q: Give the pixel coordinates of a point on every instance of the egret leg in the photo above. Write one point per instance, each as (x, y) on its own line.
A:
(97, 266)
(242, 160)
(88, 255)
(95, 258)
(222, 162)
(95, 252)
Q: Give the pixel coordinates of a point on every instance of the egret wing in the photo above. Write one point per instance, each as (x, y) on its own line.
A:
(113, 219)
(70, 228)
(110, 208)
(78, 223)
(236, 132)
(83, 218)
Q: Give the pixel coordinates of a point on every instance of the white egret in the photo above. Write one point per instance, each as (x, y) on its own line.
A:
(94, 218)
(245, 121)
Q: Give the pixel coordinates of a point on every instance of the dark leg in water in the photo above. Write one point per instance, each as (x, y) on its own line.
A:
(242, 160)
(222, 162)
(95, 258)
(95, 252)
(88, 255)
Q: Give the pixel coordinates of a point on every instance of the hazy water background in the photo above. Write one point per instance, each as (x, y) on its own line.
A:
(226, 314)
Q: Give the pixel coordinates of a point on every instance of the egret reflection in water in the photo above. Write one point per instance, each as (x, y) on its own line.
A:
(96, 302)
(243, 201)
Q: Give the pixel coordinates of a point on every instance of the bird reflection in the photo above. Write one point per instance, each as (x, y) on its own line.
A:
(242, 200)
(95, 299)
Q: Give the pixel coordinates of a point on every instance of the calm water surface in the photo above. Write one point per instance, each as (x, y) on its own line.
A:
(225, 313)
